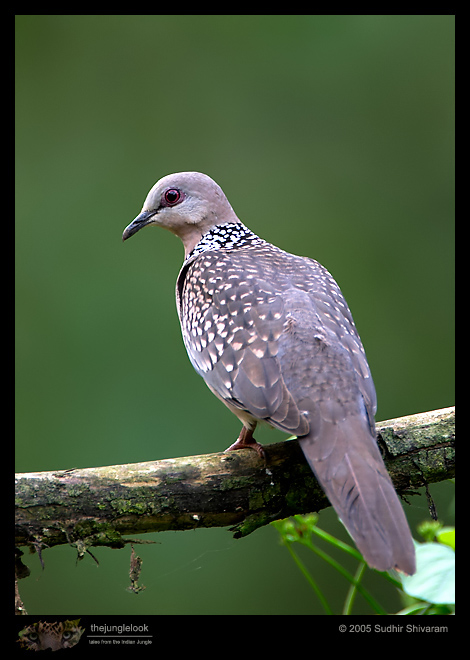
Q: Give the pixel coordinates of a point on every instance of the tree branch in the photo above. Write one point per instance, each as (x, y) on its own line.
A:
(96, 506)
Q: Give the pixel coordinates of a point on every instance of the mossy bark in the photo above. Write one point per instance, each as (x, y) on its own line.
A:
(98, 506)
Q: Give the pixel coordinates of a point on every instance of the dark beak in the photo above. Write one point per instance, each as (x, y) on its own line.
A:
(143, 219)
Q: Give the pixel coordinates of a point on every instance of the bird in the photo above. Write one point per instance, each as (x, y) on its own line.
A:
(273, 338)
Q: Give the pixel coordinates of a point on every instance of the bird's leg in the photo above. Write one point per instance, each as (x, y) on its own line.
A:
(245, 439)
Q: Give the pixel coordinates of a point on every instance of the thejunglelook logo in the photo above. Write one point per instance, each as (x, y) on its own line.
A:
(58, 635)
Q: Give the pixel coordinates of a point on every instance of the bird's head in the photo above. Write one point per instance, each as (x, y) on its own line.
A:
(188, 204)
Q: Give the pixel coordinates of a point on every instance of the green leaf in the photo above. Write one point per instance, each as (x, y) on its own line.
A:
(446, 535)
(434, 580)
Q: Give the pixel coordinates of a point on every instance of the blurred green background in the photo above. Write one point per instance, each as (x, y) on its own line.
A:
(333, 137)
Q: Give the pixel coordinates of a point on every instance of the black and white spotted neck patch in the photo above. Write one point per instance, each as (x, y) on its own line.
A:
(227, 236)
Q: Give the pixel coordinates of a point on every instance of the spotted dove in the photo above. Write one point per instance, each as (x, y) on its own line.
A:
(273, 338)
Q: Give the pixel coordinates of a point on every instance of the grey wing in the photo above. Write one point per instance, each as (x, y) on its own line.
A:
(274, 337)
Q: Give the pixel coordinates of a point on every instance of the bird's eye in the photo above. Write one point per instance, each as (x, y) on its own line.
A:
(172, 196)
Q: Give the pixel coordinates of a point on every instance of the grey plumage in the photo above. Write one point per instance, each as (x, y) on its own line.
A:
(273, 338)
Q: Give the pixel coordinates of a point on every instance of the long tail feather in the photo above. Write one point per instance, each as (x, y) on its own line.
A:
(347, 462)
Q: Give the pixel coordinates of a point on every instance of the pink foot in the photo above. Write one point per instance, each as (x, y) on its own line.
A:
(246, 440)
